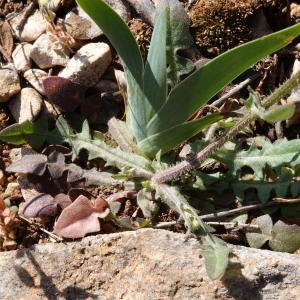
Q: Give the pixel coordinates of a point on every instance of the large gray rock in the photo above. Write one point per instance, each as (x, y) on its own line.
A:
(146, 264)
(35, 77)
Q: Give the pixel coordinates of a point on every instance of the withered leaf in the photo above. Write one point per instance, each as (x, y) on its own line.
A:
(6, 40)
(29, 164)
(39, 206)
(56, 164)
(80, 218)
(44, 205)
(64, 93)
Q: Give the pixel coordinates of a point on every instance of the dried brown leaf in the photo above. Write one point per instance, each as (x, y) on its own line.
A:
(64, 93)
(80, 218)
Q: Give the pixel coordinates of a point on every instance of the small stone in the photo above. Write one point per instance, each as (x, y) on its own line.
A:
(26, 105)
(13, 191)
(2, 177)
(21, 57)
(122, 8)
(9, 82)
(88, 64)
(35, 77)
(15, 154)
(81, 27)
(48, 51)
(33, 28)
(50, 110)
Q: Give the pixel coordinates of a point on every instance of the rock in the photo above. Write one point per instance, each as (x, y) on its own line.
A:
(122, 8)
(26, 105)
(144, 264)
(21, 57)
(48, 52)
(2, 178)
(88, 64)
(35, 78)
(9, 82)
(81, 27)
(33, 28)
(50, 110)
(13, 192)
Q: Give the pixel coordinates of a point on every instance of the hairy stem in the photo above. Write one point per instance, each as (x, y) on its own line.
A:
(187, 165)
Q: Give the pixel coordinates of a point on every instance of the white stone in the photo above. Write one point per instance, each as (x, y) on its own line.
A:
(47, 52)
(80, 26)
(88, 64)
(33, 28)
(21, 57)
(35, 77)
(9, 82)
(26, 105)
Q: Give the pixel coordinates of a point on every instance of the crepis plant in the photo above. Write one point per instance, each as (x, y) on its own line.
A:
(160, 104)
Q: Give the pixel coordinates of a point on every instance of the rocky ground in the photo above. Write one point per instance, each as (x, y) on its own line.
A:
(36, 45)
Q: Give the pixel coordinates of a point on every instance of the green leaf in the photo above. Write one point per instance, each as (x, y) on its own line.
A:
(155, 77)
(258, 238)
(167, 140)
(285, 238)
(17, 134)
(281, 113)
(28, 132)
(137, 165)
(215, 253)
(147, 203)
(276, 155)
(179, 38)
(122, 136)
(202, 85)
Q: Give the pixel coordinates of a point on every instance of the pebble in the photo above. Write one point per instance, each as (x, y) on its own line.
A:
(21, 57)
(12, 191)
(81, 27)
(2, 177)
(35, 77)
(9, 82)
(48, 52)
(26, 105)
(88, 64)
(33, 28)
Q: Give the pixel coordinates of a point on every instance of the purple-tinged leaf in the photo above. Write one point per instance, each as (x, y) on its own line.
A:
(29, 164)
(80, 218)
(44, 205)
(56, 164)
(63, 200)
(64, 93)
(39, 206)
(75, 173)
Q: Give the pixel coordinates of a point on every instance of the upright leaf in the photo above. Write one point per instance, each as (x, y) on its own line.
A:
(202, 85)
(179, 38)
(155, 78)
